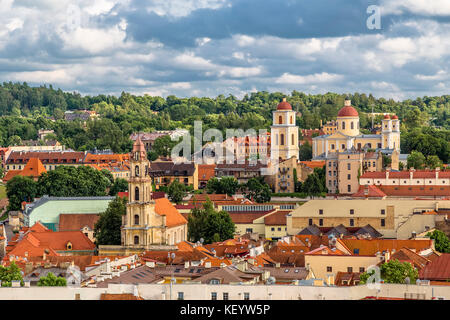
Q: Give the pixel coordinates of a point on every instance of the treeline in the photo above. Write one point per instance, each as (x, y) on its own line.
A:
(24, 110)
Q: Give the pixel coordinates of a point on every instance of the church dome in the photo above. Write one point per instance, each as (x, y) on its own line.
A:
(284, 105)
(394, 117)
(348, 111)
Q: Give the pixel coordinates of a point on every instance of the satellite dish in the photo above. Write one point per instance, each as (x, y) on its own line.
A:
(271, 280)
(173, 255)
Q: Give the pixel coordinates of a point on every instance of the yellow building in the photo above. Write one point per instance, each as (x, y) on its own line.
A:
(284, 133)
(148, 224)
(348, 136)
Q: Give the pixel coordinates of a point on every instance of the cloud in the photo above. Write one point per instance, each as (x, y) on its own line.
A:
(312, 78)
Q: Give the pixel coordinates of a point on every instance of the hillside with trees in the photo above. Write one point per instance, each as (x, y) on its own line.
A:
(24, 110)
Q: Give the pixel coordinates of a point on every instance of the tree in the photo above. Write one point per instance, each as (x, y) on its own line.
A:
(107, 228)
(20, 189)
(210, 225)
(8, 274)
(14, 141)
(163, 146)
(176, 191)
(305, 152)
(416, 160)
(224, 185)
(441, 241)
(68, 181)
(52, 281)
(433, 162)
(119, 185)
(394, 271)
(314, 185)
(257, 190)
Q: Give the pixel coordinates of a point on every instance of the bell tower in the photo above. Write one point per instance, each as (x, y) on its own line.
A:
(284, 133)
(139, 206)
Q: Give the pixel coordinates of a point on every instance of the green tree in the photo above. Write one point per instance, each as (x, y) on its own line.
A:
(224, 185)
(315, 183)
(305, 152)
(209, 224)
(394, 271)
(441, 241)
(163, 146)
(119, 185)
(107, 228)
(20, 189)
(176, 191)
(52, 281)
(433, 162)
(416, 160)
(14, 141)
(257, 190)
(10, 273)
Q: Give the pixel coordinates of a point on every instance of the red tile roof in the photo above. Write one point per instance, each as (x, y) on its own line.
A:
(373, 192)
(278, 218)
(34, 168)
(370, 247)
(75, 222)
(438, 269)
(417, 174)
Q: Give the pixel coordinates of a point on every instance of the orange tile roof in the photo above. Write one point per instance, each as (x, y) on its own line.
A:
(163, 207)
(11, 174)
(106, 158)
(373, 192)
(324, 250)
(372, 246)
(206, 171)
(119, 296)
(34, 168)
(313, 164)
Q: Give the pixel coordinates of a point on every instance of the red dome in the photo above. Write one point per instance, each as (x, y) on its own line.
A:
(348, 111)
(386, 116)
(284, 105)
(394, 117)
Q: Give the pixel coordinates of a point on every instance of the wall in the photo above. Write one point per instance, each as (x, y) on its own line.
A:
(236, 292)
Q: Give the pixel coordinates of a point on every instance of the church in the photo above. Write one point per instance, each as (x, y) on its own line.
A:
(348, 137)
(149, 224)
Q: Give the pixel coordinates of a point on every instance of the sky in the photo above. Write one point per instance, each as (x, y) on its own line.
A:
(211, 47)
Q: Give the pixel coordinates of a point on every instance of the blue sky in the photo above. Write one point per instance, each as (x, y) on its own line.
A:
(212, 47)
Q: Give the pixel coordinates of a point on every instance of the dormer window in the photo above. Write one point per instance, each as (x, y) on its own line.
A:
(69, 245)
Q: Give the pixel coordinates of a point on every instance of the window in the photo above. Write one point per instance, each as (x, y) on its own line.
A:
(213, 295)
(383, 222)
(332, 147)
(349, 269)
(352, 222)
(136, 194)
(343, 146)
(136, 239)
(246, 296)
(352, 211)
(329, 269)
(361, 269)
(310, 222)
(352, 125)
(349, 188)
(180, 295)
(383, 211)
(279, 229)
(280, 120)
(225, 296)
(320, 222)
(291, 121)
(343, 125)
(136, 219)
(348, 166)
(282, 139)
(272, 229)
(249, 230)
(349, 177)
(292, 140)
(136, 170)
(320, 211)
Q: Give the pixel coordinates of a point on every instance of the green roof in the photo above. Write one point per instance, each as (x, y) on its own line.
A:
(48, 209)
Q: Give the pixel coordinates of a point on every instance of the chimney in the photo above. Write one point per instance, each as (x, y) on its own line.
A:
(208, 265)
(186, 264)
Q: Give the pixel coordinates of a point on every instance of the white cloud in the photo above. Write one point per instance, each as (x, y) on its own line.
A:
(422, 7)
(312, 78)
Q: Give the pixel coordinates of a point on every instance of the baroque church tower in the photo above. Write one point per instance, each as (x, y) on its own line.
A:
(284, 133)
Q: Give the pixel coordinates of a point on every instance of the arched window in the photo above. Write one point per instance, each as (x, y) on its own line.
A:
(282, 139)
(352, 125)
(136, 239)
(280, 120)
(136, 219)
(291, 121)
(292, 140)
(343, 125)
(136, 194)
(136, 170)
